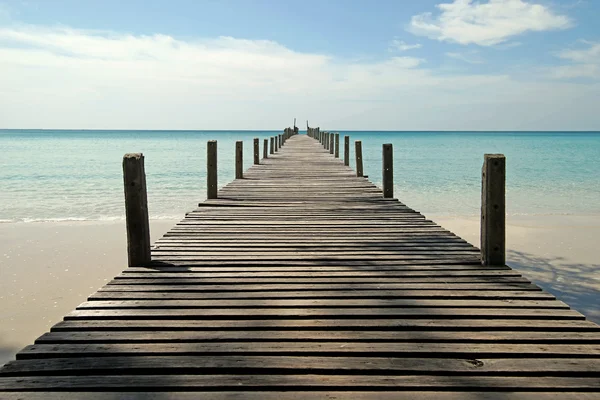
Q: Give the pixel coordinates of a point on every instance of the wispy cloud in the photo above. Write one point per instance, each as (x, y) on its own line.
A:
(584, 62)
(485, 24)
(470, 57)
(401, 45)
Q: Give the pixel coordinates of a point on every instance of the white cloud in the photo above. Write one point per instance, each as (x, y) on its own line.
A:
(470, 58)
(401, 45)
(67, 78)
(585, 63)
(485, 24)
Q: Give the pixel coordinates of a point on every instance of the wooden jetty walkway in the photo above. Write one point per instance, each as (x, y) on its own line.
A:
(302, 281)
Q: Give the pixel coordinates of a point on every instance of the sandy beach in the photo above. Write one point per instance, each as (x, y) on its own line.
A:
(50, 268)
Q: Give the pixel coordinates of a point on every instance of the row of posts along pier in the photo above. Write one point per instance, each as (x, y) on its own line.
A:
(136, 204)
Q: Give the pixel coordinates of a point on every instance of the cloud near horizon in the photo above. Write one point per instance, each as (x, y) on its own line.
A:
(485, 24)
(59, 77)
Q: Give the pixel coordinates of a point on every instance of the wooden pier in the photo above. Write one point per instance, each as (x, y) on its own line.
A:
(302, 281)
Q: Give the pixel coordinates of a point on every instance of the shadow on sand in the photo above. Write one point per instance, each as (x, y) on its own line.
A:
(576, 284)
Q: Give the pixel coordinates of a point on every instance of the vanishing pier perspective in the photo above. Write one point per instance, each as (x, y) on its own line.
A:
(302, 280)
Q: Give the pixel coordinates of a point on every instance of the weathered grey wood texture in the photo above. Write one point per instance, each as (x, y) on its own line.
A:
(302, 281)
(136, 210)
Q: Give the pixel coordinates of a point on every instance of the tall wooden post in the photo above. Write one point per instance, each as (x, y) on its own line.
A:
(388, 171)
(337, 145)
(276, 143)
(256, 152)
(346, 150)
(332, 143)
(266, 148)
(272, 149)
(493, 235)
(239, 159)
(136, 210)
(359, 162)
(327, 136)
(211, 169)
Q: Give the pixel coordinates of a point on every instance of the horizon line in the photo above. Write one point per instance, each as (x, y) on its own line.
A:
(277, 130)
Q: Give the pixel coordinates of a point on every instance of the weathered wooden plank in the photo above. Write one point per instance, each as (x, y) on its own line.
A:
(297, 382)
(361, 303)
(114, 292)
(216, 364)
(457, 324)
(354, 313)
(562, 337)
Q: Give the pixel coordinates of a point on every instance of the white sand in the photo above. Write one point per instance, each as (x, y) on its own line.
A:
(47, 269)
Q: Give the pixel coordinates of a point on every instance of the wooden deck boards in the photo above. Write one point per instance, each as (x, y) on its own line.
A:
(302, 281)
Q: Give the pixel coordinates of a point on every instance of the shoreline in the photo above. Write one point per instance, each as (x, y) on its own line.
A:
(49, 268)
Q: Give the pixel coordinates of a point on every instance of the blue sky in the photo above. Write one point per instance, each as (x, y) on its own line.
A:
(389, 65)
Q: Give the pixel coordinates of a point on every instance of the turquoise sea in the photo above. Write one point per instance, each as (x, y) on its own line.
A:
(54, 175)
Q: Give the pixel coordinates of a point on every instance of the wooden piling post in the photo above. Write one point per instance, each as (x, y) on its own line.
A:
(266, 148)
(256, 152)
(272, 149)
(211, 169)
(239, 159)
(346, 150)
(337, 145)
(332, 143)
(493, 208)
(359, 161)
(388, 171)
(136, 210)
(280, 141)
(276, 143)
(327, 136)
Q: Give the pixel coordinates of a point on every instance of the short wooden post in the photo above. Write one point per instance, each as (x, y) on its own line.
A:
(276, 143)
(346, 150)
(493, 234)
(388, 171)
(359, 162)
(239, 159)
(272, 149)
(327, 136)
(256, 152)
(136, 210)
(266, 148)
(332, 143)
(280, 141)
(337, 145)
(211, 169)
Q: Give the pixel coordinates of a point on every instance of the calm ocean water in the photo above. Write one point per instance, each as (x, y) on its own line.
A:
(76, 175)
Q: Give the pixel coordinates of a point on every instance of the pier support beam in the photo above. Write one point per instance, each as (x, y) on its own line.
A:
(211, 169)
(493, 210)
(359, 162)
(136, 210)
(266, 148)
(272, 149)
(239, 159)
(276, 143)
(337, 145)
(388, 171)
(346, 150)
(256, 152)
